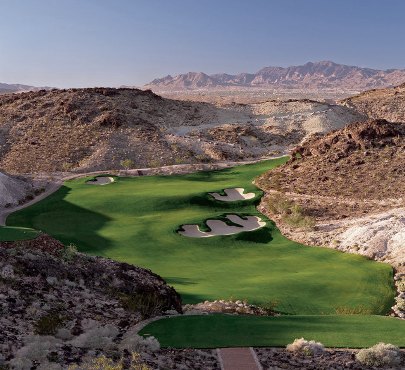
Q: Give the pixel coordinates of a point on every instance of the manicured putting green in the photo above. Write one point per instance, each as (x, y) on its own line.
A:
(8, 234)
(135, 220)
(214, 331)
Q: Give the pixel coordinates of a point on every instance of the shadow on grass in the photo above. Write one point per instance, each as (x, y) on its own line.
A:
(188, 298)
(262, 235)
(65, 221)
(179, 280)
(207, 200)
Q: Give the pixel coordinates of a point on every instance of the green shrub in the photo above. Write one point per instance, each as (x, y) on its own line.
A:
(379, 355)
(127, 163)
(48, 324)
(68, 252)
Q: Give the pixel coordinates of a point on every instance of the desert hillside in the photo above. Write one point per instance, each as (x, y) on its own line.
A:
(102, 128)
(386, 103)
(67, 303)
(350, 182)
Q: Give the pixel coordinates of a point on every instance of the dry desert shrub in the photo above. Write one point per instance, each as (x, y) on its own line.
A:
(105, 363)
(308, 348)
(290, 212)
(380, 354)
(133, 342)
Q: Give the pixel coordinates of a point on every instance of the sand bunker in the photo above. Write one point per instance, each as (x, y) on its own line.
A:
(101, 180)
(233, 195)
(218, 227)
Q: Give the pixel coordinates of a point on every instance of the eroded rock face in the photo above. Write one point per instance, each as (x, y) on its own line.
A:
(46, 289)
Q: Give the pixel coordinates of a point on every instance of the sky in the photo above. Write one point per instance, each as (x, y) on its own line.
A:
(79, 43)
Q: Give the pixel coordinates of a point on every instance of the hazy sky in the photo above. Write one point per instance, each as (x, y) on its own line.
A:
(65, 43)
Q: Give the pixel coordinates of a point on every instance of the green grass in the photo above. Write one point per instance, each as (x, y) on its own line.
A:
(214, 331)
(135, 220)
(8, 234)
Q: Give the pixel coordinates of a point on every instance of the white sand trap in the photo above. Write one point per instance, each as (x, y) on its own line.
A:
(219, 227)
(101, 180)
(232, 195)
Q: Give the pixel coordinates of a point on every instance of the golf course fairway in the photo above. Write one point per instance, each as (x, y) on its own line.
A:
(214, 331)
(8, 234)
(136, 220)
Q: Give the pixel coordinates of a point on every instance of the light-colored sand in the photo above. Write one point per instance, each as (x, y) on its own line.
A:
(101, 180)
(218, 227)
(232, 195)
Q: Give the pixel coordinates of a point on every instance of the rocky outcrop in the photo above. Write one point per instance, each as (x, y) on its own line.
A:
(51, 290)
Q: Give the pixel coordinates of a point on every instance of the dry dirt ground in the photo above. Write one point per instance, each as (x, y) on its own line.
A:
(84, 130)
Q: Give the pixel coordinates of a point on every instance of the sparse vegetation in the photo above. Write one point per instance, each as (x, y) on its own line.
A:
(67, 166)
(146, 303)
(154, 163)
(133, 342)
(380, 354)
(105, 363)
(290, 212)
(48, 324)
(68, 252)
(308, 348)
(97, 337)
(127, 163)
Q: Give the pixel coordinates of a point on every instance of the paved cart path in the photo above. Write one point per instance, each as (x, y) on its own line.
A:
(238, 359)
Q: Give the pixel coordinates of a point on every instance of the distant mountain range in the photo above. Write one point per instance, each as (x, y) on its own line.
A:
(12, 88)
(310, 76)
